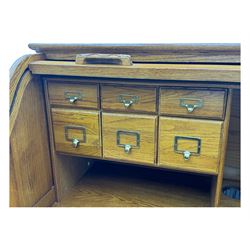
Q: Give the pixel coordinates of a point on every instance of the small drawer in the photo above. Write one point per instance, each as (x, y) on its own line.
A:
(129, 137)
(76, 131)
(128, 99)
(73, 94)
(193, 102)
(189, 144)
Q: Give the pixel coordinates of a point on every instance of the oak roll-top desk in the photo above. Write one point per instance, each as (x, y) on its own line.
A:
(163, 106)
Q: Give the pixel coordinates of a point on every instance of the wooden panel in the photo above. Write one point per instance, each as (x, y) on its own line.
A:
(144, 126)
(212, 102)
(119, 97)
(16, 72)
(144, 82)
(224, 73)
(192, 52)
(232, 162)
(60, 93)
(217, 181)
(77, 124)
(16, 102)
(209, 133)
(30, 166)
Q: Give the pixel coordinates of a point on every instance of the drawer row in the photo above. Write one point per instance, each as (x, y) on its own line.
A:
(180, 143)
(200, 103)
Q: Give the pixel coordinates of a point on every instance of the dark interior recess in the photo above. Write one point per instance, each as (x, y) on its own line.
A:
(141, 173)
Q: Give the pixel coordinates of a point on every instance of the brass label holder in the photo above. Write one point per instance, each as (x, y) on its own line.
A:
(75, 141)
(127, 147)
(186, 154)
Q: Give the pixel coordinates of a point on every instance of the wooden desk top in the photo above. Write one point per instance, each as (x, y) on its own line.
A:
(183, 65)
(228, 53)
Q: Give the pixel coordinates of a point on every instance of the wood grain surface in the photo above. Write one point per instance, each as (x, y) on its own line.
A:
(198, 72)
(17, 70)
(213, 102)
(48, 199)
(113, 185)
(218, 180)
(182, 52)
(27, 78)
(143, 125)
(208, 131)
(30, 166)
(60, 91)
(76, 120)
(232, 161)
(146, 98)
(143, 82)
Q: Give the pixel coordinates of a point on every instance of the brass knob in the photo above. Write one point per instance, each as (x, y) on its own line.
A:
(75, 143)
(127, 148)
(73, 99)
(127, 104)
(186, 155)
(190, 107)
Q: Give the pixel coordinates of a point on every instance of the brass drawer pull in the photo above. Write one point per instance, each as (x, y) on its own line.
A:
(191, 103)
(128, 100)
(187, 154)
(127, 147)
(73, 97)
(75, 141)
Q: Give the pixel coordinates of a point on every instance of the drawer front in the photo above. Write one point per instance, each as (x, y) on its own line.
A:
(189, 144)
(128, 99)
(73, 94)
(77, 131)
(193, 103)
(129, 137)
